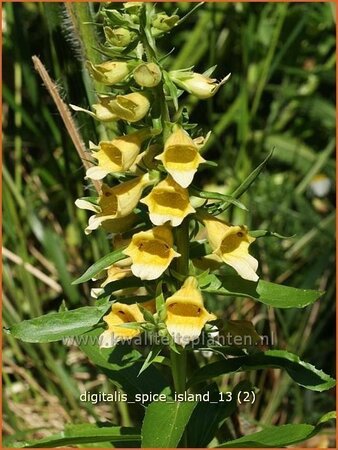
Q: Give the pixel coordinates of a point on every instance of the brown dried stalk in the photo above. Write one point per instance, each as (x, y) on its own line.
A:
(65, 115)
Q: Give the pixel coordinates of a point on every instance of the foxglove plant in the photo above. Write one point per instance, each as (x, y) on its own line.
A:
(173, 247)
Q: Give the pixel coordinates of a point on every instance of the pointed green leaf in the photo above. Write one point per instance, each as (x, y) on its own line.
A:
(164, 424)
(271, 294)
(302, 373)
(86, 434)
(101, 264)
(56, 326)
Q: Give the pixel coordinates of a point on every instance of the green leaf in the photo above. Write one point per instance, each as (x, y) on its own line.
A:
(251, 178)
(266, 233)
(226, 199)
(302, 373)
(101, 264)
(271, 294)
(56, 326)
(152, 355)
(86, 434)
(164, 424)
(121, 365)
(279, 436)
(200, 431)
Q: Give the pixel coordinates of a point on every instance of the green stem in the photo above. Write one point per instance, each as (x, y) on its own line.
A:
(149, 45)
(182, 244)
(179, 368)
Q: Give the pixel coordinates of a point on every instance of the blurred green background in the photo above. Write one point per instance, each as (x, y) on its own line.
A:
(280, 94)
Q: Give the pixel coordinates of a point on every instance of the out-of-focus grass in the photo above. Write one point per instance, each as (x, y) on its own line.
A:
(280, 94)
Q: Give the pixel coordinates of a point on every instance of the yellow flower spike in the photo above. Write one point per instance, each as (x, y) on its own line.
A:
(116, 155)
(186, 315)
(120, 314)
(168, 202)
(118, 201)
(151, 252)
(181, 157)
(231, 245)
(109, 72)
(131, 107)
(197, 84)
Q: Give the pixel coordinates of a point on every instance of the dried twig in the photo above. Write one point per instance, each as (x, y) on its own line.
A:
(31, 269)
(65, 115)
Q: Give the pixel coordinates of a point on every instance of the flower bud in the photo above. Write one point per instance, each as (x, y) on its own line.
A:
(196, 83)
(164, 22)
(147, 75)
(118, 37)
(131, 107)
(109, 72)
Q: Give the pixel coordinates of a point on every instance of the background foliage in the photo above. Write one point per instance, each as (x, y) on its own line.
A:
(282, 60)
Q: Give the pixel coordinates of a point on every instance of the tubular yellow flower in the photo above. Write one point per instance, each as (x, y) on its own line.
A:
(109, 72)
(120, 314)
(181, 157)
(197, 84)
(131, 107)
(116, 155)
(151, 252)
(118, 201)
(186, 315)
(168, 202)
(231, 245)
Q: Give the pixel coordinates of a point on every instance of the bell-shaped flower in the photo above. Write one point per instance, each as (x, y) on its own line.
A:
(109, 72)
(117, 155)
(118, 201)
(186, 315)
(102, 111)
(163, 22)
(131, 107)
(231, 245)
(197, 84)
(147, 74)
(181, 157)
(121, 314)
(118, 37)
(151, 252)
(168, 202)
